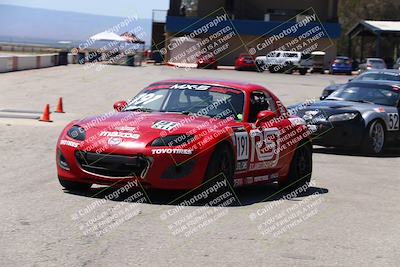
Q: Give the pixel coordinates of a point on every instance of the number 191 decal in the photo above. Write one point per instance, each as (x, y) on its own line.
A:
(242, 145)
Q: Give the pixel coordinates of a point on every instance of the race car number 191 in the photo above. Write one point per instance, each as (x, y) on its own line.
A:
(242, 145)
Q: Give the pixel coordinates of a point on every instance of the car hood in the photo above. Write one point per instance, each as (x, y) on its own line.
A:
(139, 129)
(323, 109)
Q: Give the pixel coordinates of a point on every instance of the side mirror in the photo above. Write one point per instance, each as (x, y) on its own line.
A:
(264, 115)
(120, 105)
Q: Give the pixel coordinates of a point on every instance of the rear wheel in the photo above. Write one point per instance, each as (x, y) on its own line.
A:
(272, 69)
(260, 67)
(288, 68)
(374, 140)
(74, 186)
(300, 168)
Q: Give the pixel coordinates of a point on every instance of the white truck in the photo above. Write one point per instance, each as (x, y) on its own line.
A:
(284, 61)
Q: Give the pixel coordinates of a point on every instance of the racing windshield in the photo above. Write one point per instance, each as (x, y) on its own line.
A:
(190, 99)
(367, 93)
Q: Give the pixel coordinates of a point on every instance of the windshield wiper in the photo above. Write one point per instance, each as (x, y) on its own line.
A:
(187, 112)
(140, 109)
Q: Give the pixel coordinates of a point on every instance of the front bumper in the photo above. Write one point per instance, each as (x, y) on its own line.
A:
(162, 171)
(339, 134)
(244, 66)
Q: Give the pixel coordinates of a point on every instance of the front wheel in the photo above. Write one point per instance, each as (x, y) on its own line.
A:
(74, 186)
(220, 165)
(374, 140)
(300, 168)
(303, 71)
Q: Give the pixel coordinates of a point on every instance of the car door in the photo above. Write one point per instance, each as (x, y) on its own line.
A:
(265, 150)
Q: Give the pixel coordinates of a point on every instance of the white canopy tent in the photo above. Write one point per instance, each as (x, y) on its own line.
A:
(107, 36)
(116, 52)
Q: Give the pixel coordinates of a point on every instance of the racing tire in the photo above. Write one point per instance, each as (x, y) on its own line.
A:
(374, 139)
(300, 170)
(74, 186)
(221, 162)
(272, 69)
(303, 71)
(260, 67)
(288, 69)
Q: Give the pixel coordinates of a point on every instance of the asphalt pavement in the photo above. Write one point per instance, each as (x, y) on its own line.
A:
(348, 217)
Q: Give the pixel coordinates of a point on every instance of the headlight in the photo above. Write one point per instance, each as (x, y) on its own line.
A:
(173, 140)
(342, 117)
(324, 95)
(77, 133)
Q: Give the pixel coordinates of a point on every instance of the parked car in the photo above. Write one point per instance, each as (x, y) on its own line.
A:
(341, 65)
(318, 62)
(371, 64)
(284, 61)
(372, 75)
(207, 61)
(245, 62)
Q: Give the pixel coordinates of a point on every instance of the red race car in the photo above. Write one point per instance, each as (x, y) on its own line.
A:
(245, 62)
(207, 61)
(178, 134)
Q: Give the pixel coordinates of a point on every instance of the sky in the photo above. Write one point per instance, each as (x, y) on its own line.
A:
(119, 8)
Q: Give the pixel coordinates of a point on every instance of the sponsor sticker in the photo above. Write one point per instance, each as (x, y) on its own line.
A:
(159, 151)
(113, 141)
(164, 125)
(237, 182)
(69, 143)
(249, 180)
(190, 87)
(261, 178)
(241, 165)
(120, 134)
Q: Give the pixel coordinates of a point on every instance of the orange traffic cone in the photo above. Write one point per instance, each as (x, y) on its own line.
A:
(59, 108)
(46, 114)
